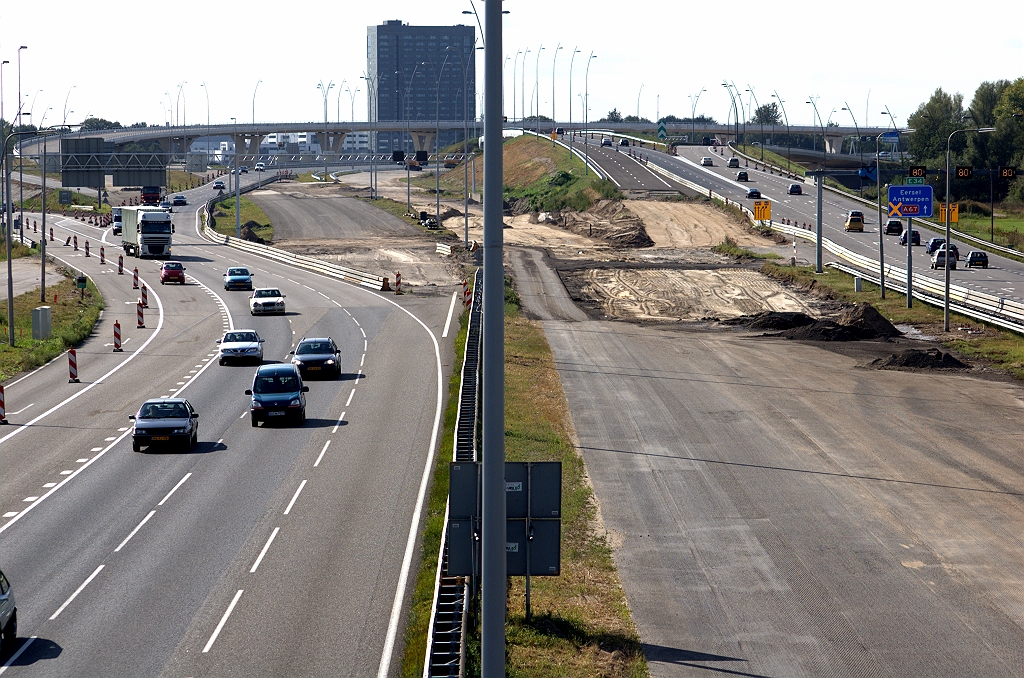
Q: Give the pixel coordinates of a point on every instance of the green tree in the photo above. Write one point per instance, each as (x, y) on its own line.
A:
(94, 124)
(613, 116)
(933, 122)
(767, 114)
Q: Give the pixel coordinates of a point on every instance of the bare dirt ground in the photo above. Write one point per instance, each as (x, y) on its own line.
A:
(680, 225)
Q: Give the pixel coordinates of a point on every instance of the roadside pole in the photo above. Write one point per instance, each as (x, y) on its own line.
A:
(820, 181)
(910, 262)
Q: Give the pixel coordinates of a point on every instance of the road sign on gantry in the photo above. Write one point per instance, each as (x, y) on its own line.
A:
(762, 210)
(910, 201)
(954, 216)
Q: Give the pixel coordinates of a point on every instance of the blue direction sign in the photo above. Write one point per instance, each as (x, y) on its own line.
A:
(891, 136)
(910, 201)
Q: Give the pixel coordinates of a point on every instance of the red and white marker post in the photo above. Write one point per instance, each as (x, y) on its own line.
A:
(135, 279)
(142, 320)
(3, 410)
(145, 296)
(120, 264)
(72, 367)
(117, 337)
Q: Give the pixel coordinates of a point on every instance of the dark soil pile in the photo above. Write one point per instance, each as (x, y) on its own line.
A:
(248, 234)
(869, 321)
(610, 221)
(822, 330)
(931, 358)
(776, 321)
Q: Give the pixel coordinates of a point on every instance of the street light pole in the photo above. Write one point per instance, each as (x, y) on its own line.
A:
(949, 208)
(750, 88)
(515, 67)
(254, 104)
(554, 60)
(325, 90)
(437, 143)
(238, 180)
(693, 113)
(789, 147)
(586, 111)
(813, 102)
(522, 92)
(572, 134)
(860, 149)
(638, 101)
(408, 165)
(21, 180)
(203, 85)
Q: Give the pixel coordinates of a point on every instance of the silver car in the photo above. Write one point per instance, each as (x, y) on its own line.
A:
(240, 345)
(266, 300)
(8, 617)
(165, 421)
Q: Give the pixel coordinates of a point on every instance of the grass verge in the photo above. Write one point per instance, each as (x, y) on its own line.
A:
(997, 348)
(18, 250)
(73, 319)
(730, 248)
(224, 217)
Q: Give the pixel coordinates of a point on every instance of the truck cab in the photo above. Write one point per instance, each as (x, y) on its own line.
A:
(146, 232)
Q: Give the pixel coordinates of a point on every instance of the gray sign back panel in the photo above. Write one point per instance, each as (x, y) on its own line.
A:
(546, 548)
(546, 489)
(462, 489)
(140, 177)
(461, 546)
(515, 548)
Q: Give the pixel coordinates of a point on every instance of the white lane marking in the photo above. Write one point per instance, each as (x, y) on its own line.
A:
(137, 528)
(294, 497)
(355, 321)
(85, 459)
(266, 548)
(69, 474)
(346, 311)
(292, 281)
(10, 514)
(309, 288)
(109, 439)
(21, 410)
(365, 345)
(336, 425)
(30, 498)
(363, 332)
(174, 489)
(349, 401)
(96, 449)
(14, 657)
(362, 360)
(77, 394)
(451, 312)
(223, 620)
(359, 375)
(243, 414)
(75, 594)
(317, 462)
(49, 484)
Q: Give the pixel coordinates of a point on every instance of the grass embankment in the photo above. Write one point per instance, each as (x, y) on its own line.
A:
(18, 250)
(73, 319)
(999, 349)
(730, 248)
(224, 217)
(543, 174)
(35, 204)
(771, 158)
(581, 625)
(178, 181)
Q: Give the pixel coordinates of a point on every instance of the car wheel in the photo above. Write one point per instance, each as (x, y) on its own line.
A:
(194, 440)
(255, 422)
(10, 634)
(136, 447)
(162, 282)
(221, 362)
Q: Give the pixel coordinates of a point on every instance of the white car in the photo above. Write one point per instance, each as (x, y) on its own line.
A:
(260, 167)
(240, 345)
(266, 300)
(707, 161)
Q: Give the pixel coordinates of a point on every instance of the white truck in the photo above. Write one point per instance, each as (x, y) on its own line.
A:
(146, 231)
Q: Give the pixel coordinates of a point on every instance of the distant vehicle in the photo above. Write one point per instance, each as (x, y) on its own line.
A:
(705, 141)
(733, 163)
(939, 261)
(266, 300)
(976, 258)
(165, 204)
(706, 161)
(559, 130)
(218, 185)
(933, 245)
(413, 166)
(320, 356)
(115, 213)
(277, 393)
(179, 200)
(855, 213)
(796, 189)
(8, 617)
(742, 176)
(172, 271)
(451, 163)
(753, 193)
(151, 195)
(953, 249)
(238, 278)
(605, 141)
(165, 421)
(854, 223)
(893, 227)
(240, 345)
(623, 142)
(243, 169)
(146, 232)
(260, 167)
(915, 238)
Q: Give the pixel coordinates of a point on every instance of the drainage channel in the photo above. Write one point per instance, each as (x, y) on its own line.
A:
(446, 643)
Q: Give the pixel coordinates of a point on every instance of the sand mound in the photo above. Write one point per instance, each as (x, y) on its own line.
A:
(822, 330)
(932, 358)
(864, 316)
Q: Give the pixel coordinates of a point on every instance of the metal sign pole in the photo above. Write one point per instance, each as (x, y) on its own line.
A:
(820, 180)
(910, 262)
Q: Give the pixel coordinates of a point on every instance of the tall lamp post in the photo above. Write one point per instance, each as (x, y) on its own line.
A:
(408, 166)
(586, 110)
(21, 179)
(949, 205)
(515, 67)
(789, 147)
(325, 90)
(522, 91)
(694, 98)
(371, 101)
(860, 148)
(813, 102)
(536, 89)
(554, 60)
(465, 144)
(437, 144)
(881, 240)
(352, 101)
(338, 107)
(572, 134)
(254, 103)
(238, 180)
(750, 88)
(641, 91)
(184, 135)
(207, 92)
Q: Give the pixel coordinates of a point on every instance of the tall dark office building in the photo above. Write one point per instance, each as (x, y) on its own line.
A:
(413, 80)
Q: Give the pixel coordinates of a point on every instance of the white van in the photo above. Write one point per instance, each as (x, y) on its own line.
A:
(260, 167)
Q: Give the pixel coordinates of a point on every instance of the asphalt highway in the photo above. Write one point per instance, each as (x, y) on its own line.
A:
(271, 550)
(1003, 278)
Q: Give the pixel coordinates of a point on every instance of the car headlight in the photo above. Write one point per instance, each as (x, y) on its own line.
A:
(179, 431)
(294, 403)
(328, 362)
(296, 361)
(257, 405)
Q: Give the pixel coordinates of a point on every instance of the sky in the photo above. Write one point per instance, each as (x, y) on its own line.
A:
(157, 62)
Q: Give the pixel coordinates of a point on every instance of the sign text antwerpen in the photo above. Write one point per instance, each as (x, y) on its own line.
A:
(910, 201)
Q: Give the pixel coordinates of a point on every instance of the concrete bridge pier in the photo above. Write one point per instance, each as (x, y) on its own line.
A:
(423, 140)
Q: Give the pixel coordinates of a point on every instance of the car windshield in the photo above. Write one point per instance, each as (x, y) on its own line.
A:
(262, 294)
(276, 383)
(311, 347)
(172, 266)
(236, 337)
(163, 411)
(238, 271)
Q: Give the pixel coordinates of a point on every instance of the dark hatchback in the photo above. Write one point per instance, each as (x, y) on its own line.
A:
(277, 393)
(893, 227)
(165, 421)
(977, 258)
(317, 356)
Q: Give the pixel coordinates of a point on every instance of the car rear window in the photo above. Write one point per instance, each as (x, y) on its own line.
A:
(283, 383)
(267, 293)
(308, 348)
(163, 411)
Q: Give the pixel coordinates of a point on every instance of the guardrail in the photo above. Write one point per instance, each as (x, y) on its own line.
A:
(446, 635)
(1005, 313)
(572, 149)
(299, 261)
